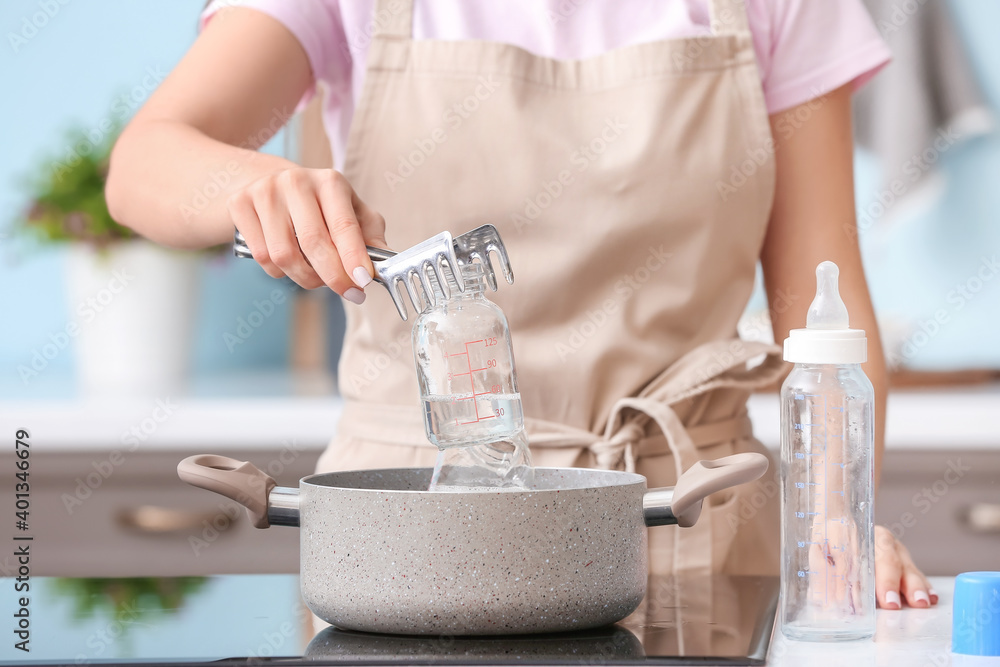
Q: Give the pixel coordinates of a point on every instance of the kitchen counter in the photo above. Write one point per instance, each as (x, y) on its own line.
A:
(917, 419)
(118, 458)
(902, 637)
(257, 411)
(242, 412)
(244, 618)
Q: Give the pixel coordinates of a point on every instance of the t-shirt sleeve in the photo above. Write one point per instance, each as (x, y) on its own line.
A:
(815, 46)
(318, 27)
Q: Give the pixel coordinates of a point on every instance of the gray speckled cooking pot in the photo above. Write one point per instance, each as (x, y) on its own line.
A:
(380, 553)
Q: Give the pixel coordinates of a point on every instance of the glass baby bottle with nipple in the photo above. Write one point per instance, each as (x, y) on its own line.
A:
(472, 408)
(827, 470)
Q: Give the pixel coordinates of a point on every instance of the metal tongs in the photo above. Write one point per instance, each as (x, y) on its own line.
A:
(440, 254)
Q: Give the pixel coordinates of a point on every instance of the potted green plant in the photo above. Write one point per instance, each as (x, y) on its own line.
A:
(131, 303)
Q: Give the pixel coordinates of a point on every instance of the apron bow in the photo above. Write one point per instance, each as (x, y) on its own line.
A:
(714, 365)
(618, 446)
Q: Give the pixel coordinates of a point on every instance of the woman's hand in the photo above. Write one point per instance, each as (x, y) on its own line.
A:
(896, 575)
(309, 225)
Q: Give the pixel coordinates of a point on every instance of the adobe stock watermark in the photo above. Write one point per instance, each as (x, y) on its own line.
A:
(218, 181)
(913, 169)
(359, 39)
(957, 299)
(695, 46)
(121, 109)
(376, 364)
(452, 119)
(622, 291)
(579, 160)
(136, 434)
(221, 177)
(759, 326)
(32, 24)
(757, 157)
(229, 511)
(751, 505)
(563, 11)
(972, 628)
(245, 327)
(105, 638)
(273, 642)
(902, 12)
(88, 310)
(923, 501)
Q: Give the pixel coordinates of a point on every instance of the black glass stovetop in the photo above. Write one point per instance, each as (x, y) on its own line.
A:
(260, 619)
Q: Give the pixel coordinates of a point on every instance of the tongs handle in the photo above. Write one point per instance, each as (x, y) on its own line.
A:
(242, 250)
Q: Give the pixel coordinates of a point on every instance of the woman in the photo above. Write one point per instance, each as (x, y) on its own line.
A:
(638, 157)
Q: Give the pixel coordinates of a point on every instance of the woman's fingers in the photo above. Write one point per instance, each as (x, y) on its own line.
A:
(897, 577)
(336, 199)
(372, 223)
(245, 219)
(310, 225)
(915, 586)
(313, 236)
(888, 570)
(282, 245)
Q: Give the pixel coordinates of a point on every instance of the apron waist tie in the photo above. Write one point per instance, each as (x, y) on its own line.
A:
(629, 442)
(403, 425)
(719, 364)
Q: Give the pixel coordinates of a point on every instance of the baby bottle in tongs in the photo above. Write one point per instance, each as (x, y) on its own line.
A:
(827, 449)
(472, 409)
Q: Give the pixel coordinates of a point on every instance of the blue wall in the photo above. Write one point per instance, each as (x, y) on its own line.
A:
(916, 266)
(86, 64)
(75, 69)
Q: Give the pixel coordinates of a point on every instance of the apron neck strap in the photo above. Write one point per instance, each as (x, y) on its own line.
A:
(729, 17)
(393, 18)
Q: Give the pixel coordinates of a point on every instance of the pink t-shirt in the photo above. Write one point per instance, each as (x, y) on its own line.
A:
(805, 48)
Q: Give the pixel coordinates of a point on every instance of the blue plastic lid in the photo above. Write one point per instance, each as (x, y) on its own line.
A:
(976, 614)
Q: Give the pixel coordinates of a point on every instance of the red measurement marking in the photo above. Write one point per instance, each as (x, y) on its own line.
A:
(480, 419)
(468, 358)
(472, 381)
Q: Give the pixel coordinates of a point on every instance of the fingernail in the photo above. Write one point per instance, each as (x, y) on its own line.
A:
(921, 596)
(361, 277)
(892, 597)
(354, 295)
(932, 592)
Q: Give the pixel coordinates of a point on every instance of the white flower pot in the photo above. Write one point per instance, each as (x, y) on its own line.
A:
(133, 304)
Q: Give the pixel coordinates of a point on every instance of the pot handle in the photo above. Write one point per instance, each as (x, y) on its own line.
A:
(237, 480)
(681, 504)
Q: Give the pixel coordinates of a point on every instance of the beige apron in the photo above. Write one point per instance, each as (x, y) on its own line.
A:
(632, 266)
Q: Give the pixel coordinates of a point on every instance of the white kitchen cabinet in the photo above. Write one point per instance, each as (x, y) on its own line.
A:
(945, 507)
(940, 483)
(142, 520)
(105, 496)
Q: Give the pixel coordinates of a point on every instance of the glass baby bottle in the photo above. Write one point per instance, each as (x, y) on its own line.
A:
(472, 408)
(827, 469)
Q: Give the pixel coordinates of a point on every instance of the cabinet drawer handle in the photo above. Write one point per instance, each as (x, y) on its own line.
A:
(983, 518)
(160, 520)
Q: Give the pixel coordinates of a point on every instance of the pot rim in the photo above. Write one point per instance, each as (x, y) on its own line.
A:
(624, 479)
